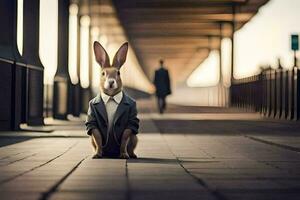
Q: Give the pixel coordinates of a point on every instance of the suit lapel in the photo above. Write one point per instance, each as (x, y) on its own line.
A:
(121, 108)
(100, 107)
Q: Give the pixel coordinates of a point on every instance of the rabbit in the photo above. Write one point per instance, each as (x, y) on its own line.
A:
(112, 121)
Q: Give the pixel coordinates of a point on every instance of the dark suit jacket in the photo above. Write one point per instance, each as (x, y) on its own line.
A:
(125, 118)
(162, 82)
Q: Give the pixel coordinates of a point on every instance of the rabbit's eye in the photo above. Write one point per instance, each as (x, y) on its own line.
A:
(103, 73)
(118, 72)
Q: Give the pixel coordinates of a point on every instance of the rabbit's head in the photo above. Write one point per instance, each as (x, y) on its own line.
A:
(110, 82)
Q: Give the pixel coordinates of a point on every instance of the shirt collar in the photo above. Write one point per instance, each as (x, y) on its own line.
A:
(118, 97)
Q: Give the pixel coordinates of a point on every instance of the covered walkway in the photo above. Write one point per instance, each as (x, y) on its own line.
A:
(231, 127)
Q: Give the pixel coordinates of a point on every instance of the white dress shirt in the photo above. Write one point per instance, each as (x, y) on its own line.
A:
(111, 104)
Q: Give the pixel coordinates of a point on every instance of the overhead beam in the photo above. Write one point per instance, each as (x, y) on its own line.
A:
(166, 35)
(205, 10)
(175, 3)
(184, 18)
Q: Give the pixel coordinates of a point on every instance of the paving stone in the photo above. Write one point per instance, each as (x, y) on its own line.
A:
(75, 195)
(106, 185)
(149, 195)
(261, 195)
(242, 184)
(173, 165)
(19, 195)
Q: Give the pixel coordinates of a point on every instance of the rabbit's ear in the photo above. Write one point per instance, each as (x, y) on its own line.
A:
(101, 55)
(120, 56)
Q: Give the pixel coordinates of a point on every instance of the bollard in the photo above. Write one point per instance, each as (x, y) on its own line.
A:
(253, 93)
(250, 90)
(285, 95)
(244, 94)
(248, 96)
(278, 93)
(238, 95)
(258, 93)
(296, 92)
(250, 93)
(273, 92)
(290, 91)
(264, 93)
(268, 89)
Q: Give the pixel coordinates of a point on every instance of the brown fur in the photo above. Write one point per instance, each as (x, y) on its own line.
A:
(111, 73)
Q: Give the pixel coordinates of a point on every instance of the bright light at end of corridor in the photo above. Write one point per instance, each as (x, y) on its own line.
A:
(266, 38)
(207, 73)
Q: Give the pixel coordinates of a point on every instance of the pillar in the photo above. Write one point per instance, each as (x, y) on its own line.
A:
(35, 69)
(77, 106)
(220, 54)
(85, 62)
(62, 83)
(76, 88)
(12, 68)
(220, 85)
(232, 54)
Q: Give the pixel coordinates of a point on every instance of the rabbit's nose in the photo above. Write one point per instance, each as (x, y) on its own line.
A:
(111, 82)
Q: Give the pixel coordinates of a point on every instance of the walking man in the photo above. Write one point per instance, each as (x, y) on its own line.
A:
(162, 85)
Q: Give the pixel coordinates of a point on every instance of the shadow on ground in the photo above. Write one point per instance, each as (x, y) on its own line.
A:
(12, 140)
(153, 160)
(228, 127)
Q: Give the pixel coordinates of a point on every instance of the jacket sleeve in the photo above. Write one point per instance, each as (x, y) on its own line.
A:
(90, 121)
(133, 122)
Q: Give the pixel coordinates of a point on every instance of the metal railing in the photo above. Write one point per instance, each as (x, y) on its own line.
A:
(273, 93)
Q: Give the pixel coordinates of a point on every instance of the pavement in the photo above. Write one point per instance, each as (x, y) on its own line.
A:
(209, 154)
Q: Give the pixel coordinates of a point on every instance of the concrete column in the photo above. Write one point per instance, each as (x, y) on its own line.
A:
(221, 99)
(12, 69)
(232, 52)
(90, 59)
(62, 83)
(35, 70)
(76, 88)
(232, 41)
(220, 54)
(85, 90)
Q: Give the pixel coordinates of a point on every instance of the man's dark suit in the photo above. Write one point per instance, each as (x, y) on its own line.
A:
(162, 85)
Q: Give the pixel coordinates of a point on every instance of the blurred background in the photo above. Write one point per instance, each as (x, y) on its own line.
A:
(219, 53)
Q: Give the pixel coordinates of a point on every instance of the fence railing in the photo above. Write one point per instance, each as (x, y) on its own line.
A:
(274, 93)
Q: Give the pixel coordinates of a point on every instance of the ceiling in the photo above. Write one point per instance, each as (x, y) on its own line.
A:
(182, 32)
